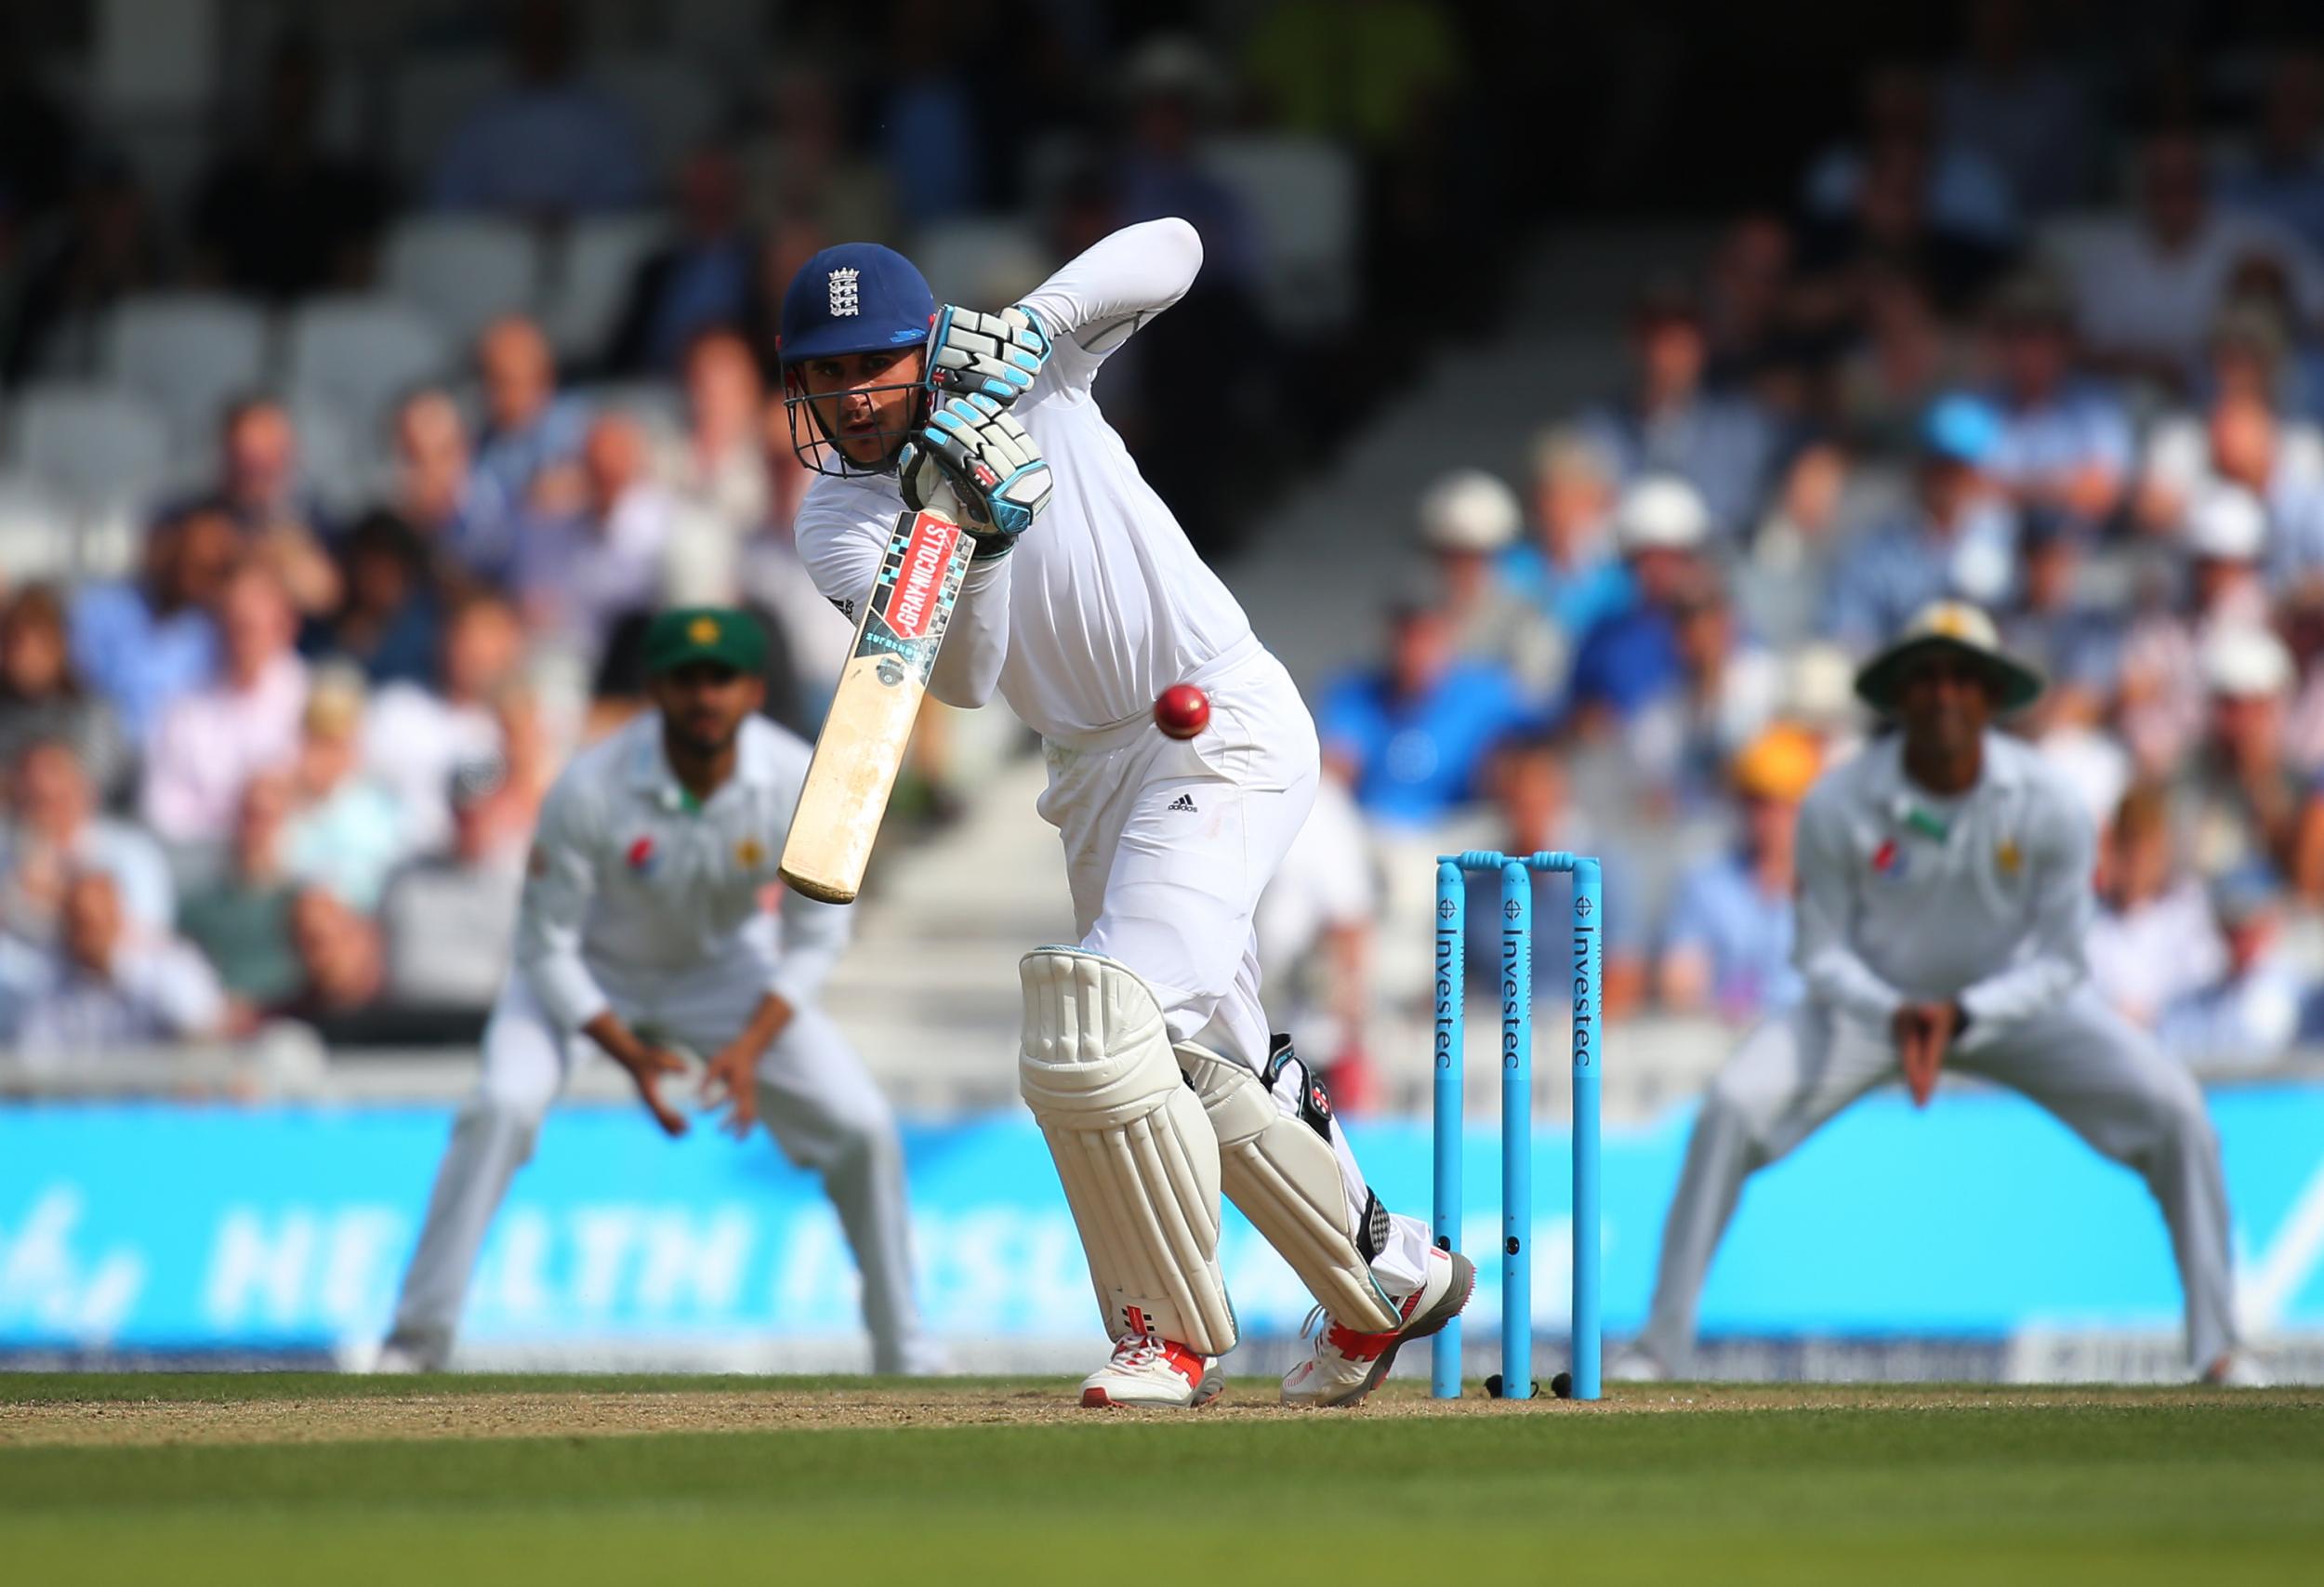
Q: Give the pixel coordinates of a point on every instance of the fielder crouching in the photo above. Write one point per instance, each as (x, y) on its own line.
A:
(1945, 898)
(643, 928)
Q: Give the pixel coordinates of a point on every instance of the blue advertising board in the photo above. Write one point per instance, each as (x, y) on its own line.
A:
(166, 1227)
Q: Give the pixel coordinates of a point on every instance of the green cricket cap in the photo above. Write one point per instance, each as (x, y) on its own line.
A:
(718, 634)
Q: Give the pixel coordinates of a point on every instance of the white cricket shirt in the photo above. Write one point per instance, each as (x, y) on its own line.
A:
(631, 878)
(1904, 896)
(1103, 603)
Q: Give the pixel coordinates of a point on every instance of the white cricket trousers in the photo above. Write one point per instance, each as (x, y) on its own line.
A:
(1168, 844)
(815, 1096)
(2081, 1061)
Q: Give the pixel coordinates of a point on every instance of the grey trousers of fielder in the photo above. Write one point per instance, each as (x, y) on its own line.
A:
(2081, 1061)
(815, 1097)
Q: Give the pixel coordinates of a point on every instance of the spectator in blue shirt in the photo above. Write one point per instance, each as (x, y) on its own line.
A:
(1538, 814)
(1726, 942)
(2075, 644)
(1171, 85)
(1630, 655)
(707, 277)
(528, 454)
(1724, 446)
(1955, 538)
(438, 495)
(2249, 1017)
(143, 642)
(2065, 443)
(1411, 737)
(546, 146)
(2282, 178)
(1568, 567)
(387, 619)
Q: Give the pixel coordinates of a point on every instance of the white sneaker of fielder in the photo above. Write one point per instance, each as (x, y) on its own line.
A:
(1148, 1370)
(1348, 1365)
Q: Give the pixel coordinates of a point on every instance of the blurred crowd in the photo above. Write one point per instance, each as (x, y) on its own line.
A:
(281, 759)
(291, 645)
(1915, 381)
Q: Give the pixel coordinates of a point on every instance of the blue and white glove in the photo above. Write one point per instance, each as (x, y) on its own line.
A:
(991, 355)
(989, 460)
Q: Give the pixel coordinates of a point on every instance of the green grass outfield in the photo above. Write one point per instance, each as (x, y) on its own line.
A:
(415, 1482)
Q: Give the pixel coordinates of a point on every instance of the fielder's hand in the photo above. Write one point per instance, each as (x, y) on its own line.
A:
(994, 355)
(730, 1080)
(648, 1065)
(991, 462)
(1923, 1031)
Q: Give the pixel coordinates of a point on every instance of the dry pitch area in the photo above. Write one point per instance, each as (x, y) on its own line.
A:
(262, 1478)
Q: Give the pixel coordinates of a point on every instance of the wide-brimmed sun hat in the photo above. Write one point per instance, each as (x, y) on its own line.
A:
(1963, 630)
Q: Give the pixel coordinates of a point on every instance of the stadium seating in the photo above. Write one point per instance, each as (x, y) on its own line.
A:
(668, 102)
(428, 96)
(593, 271)
(1301, 195)
(186, 353)
(981, 261)
(89, 444)
(462, 270)
(36, 531)
(359, 354)
(341, 459)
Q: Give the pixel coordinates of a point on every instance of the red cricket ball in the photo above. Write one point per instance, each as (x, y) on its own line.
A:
(1181, 710)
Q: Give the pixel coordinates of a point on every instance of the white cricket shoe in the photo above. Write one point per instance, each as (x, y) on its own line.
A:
(1149, 1370)
(389, 1360)
(1348, 1365)
(1636, 1365)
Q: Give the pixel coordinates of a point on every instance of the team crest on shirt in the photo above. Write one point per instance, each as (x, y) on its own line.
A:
(2007, 857)
(749, 852)
(1888, 860)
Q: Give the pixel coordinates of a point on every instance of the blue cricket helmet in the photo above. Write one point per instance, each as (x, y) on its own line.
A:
(854, 298)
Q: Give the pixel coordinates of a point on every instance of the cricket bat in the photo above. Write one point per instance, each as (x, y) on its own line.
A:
(861, 747)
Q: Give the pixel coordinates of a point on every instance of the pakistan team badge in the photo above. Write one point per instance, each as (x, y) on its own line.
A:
(703, 630)
(749, 852)
(2006, 859)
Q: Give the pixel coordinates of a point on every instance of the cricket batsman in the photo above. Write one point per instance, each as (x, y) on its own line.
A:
(1146, 1057)
(643, 932)
(1944, 897)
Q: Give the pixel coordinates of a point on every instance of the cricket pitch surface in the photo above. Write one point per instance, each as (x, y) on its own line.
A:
(246, 1479)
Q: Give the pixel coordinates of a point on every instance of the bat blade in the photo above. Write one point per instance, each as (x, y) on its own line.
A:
(861, 746)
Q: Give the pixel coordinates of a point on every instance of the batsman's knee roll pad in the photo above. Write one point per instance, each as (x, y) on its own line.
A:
(1282, 1173)
(1135, 1150)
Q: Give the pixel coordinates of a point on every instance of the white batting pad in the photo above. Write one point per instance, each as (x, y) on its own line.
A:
(1135, 1150)
(1284, 1177)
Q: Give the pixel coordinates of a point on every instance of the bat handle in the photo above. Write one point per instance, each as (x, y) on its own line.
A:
(945, 500)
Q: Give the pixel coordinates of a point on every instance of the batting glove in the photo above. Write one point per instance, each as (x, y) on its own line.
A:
(991, 355)
(989, 460)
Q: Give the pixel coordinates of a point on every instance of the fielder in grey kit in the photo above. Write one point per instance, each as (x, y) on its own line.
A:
(643, 928)
(1944, 896)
